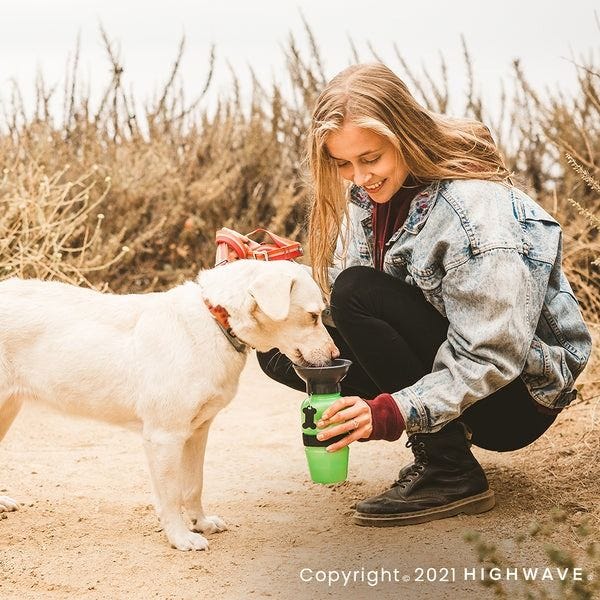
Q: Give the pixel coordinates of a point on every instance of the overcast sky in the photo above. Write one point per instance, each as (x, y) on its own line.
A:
(545, 35)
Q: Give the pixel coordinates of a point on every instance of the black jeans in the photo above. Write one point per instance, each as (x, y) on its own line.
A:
(391, 334)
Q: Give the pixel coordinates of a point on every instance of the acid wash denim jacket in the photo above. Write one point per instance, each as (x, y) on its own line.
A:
(488, 258)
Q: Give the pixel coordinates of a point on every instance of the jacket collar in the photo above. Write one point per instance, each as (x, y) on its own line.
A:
(419, 210)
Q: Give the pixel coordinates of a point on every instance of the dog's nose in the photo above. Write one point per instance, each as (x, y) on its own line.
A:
(335, 353)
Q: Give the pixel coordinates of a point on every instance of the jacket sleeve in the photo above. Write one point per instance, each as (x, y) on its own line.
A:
(488, 302)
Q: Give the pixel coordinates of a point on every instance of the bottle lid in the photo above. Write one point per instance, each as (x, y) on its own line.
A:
(324, 379)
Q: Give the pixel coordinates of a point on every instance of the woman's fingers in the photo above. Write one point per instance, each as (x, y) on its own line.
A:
(350, 415)
(338, 405)
(351, 424)
(345, 441)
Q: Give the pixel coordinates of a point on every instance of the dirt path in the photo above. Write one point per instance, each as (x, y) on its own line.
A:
(86, 528)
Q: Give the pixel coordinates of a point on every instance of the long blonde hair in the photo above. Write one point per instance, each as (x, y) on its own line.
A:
(432, 145)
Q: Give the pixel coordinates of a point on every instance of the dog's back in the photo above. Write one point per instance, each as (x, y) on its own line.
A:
(78, 349)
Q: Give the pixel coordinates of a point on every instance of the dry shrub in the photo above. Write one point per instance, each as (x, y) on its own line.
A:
(178, 171)
(46, 227)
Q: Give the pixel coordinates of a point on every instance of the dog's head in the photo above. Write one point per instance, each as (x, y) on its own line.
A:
(272, 305)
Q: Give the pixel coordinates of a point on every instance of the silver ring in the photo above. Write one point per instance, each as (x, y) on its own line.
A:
(355, 423)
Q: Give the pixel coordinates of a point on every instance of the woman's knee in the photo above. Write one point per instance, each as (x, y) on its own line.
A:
(349, 287)
(350, 280)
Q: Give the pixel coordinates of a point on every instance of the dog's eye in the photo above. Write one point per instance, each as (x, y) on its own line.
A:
(315, 318)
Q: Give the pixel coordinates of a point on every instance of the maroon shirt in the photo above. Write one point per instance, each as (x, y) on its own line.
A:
(390, 216)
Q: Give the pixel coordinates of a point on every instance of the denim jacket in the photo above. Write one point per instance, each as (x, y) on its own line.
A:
(488, 258)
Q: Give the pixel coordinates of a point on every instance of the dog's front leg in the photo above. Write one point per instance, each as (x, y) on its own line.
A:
(193, 472)
(164, 450)
(9, 408)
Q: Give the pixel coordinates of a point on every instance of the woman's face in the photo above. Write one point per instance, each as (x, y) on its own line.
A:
(367, 159)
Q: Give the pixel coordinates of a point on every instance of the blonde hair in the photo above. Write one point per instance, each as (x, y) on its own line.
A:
(432, 145)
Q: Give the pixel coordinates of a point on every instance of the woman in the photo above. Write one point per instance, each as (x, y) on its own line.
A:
(447, 294)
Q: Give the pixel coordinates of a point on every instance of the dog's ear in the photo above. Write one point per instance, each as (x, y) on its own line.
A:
(272, 295)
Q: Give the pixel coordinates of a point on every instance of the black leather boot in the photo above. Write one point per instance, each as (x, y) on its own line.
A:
(445, 480)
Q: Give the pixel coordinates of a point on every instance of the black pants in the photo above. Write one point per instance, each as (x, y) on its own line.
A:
(391, 334)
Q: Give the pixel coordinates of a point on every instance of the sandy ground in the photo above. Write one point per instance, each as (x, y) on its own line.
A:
(86, 528)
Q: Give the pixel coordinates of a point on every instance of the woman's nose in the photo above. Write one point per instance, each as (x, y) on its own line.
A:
(361, 176)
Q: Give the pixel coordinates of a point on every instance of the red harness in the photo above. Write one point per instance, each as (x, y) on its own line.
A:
(278, 248)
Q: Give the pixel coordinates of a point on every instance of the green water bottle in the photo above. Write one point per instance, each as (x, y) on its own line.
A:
(323, 388)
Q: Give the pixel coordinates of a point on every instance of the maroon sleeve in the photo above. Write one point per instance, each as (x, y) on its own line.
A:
(388, 423)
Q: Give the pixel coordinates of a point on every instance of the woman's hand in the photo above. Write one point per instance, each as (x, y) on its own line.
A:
(353, 415)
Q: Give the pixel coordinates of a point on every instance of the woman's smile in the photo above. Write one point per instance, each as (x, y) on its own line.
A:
(374, 188)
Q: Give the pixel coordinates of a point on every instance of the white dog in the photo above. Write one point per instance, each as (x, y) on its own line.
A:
(159, 362)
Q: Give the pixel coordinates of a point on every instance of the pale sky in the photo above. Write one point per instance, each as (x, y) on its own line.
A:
(545, 35)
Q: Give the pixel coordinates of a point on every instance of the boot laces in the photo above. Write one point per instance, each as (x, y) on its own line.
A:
(418, 449)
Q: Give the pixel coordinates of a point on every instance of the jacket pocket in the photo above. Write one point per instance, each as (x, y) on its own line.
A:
(547, 374)
(430, 284)
(541, 232)
(561, 321)
(434, 297)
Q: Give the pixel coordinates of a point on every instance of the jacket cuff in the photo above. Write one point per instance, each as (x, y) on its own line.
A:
(388, 423)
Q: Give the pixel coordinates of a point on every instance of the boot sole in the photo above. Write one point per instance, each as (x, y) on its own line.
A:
(468, 506)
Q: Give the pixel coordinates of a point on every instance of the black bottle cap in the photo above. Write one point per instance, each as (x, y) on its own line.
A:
(325, 379)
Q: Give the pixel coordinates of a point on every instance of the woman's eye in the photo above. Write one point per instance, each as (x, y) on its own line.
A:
(372, 160)
(341, 165)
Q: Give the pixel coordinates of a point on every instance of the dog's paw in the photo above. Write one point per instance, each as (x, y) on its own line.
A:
(209, 525)
(188, 540)
(7, 504)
